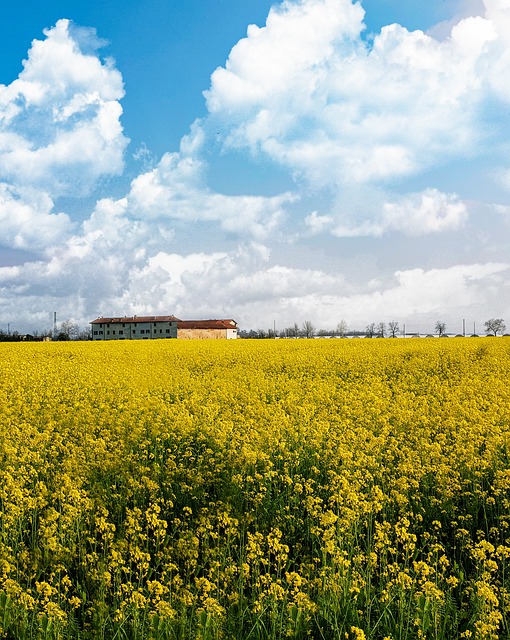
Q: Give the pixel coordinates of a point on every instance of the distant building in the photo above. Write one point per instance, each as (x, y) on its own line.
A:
(158, 327)
(206, 329)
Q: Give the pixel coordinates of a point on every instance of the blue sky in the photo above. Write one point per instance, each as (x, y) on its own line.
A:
(332, 161)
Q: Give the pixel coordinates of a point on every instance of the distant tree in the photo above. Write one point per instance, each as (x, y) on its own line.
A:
(291, 332)
(370, 330)
(495, 326)
(381, 330)
(341, 328)
(84, 334)
(69, 329)
(308, 330)
(440, 328)
(393, 328)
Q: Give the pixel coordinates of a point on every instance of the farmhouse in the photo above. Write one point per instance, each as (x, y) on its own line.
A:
(157, 327)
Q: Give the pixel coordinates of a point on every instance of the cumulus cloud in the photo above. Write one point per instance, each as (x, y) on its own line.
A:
(176, 189)
(430, 211)
(27, 221)
(317, 223)
(309, 93)
(60, 119)
(112, 267)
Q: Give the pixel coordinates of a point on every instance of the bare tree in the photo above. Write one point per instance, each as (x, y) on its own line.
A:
(370, 330)
(393, 328)
(494, 326)
(381, 330)
(69, 330)
(291, 332)
(440, 328)
(341, 328)
(308, 330)
(84, 334)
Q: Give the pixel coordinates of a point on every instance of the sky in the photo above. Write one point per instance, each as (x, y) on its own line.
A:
(271, 162)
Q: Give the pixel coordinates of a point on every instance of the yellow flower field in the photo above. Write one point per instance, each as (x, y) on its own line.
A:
(255, 489)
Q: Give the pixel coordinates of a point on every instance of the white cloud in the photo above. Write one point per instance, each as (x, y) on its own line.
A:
(117, 265)
(259, 70)
(463, 9)
(176, 282)
(176, 189)
(430, 211)
(306, 91)
(317, 223)
(27, 221)
(60, 119)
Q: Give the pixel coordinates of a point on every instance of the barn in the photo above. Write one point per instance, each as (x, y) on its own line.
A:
(206, 329)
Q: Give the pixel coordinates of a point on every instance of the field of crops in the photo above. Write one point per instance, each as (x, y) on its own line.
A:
(255, 489)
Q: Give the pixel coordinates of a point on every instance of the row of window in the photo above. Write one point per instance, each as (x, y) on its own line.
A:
(97, 332)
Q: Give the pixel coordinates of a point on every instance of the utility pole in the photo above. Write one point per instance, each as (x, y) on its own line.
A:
(464, 327)
(404, 329)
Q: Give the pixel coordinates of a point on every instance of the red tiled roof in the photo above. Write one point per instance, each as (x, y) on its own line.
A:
(129, 319)
(206, 324)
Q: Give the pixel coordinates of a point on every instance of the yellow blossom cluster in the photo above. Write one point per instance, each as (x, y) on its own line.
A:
(354, 489)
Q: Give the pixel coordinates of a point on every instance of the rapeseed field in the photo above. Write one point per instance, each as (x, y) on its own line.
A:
(326, 489)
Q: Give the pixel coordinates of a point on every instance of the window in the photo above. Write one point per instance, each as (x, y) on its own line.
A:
(95, 333)
(121, 333)
(113, 332)
(107, 333)
(100, 333)
(155, 324)
(168, 330)
(161, 330)
(134, 330)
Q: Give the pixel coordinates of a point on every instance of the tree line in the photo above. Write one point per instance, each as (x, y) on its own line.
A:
(68, 330)
(493, 327)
